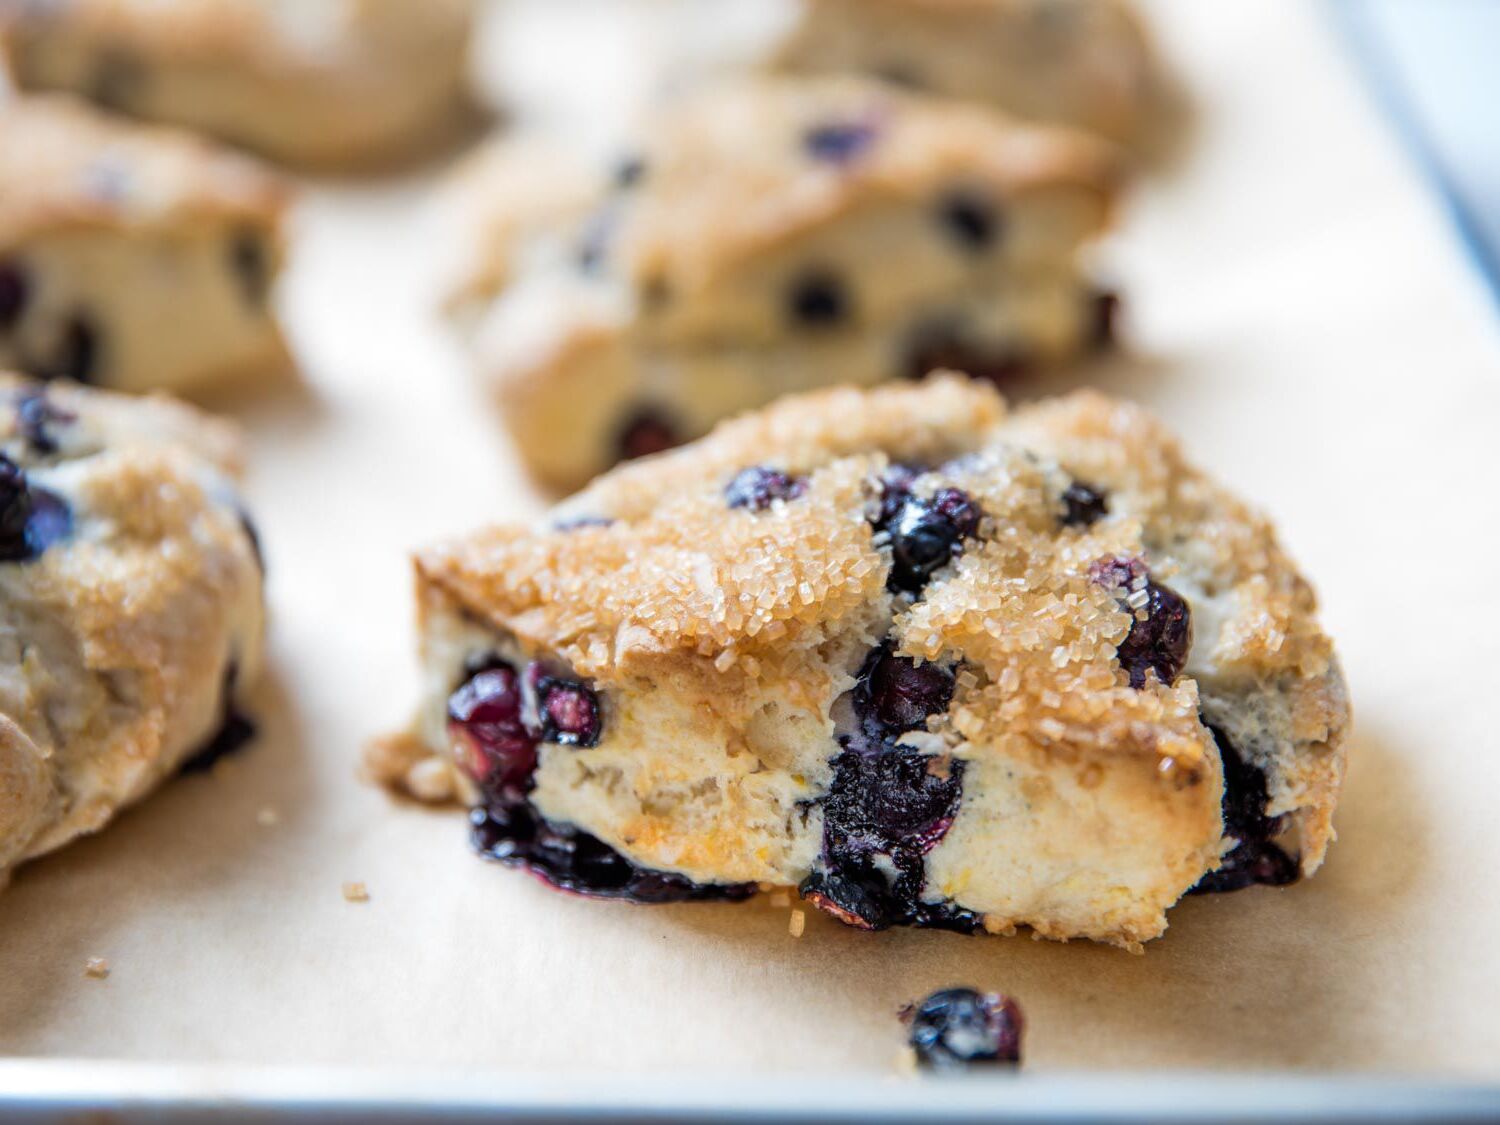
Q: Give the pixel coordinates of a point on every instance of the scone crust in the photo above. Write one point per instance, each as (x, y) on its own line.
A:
(1090, 64)
(131, 635)
(318, 84)
(65, 167)
(732, 608)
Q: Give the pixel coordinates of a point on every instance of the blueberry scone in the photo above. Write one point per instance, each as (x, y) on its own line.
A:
(133, 257)
(768, 237)
(930, 662)
(130, 604)
(322, 83)
(1085, 63)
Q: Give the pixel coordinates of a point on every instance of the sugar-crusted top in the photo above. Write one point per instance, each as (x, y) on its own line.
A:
(748, 166)
(64, 166)
(677, 575)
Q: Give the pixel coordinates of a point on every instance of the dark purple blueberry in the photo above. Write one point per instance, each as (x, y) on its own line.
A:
(485, 720)
(839, 142)
(36, 414)
(1104, 316)
(818, 300)
(16, 505)
(593, 242)
(570, 859)
(1083, 505)
(898, 693)
(577, 523)
(117, 79)
(887, 802)
(1158, 643)
(568, 710)
(857, 896)
(925, 534)
(628, 172)
(252, 533)
(945, 347)
(644, 433)
(251, 266)
(970, 220)
(1256, 859)
(953, 1028)
(31, 518)
(892, 798)
(14, 293)
(77, 354)
(236, 731)
(758, 487)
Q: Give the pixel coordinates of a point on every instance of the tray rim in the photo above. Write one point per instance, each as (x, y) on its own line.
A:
(33, 1090)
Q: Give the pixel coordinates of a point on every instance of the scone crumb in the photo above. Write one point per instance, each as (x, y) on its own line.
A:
(356, 892)
(797, 923)
(431, 780)
(96, 968)
(268, 817)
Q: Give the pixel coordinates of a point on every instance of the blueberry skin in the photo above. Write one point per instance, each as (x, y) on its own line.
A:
(839, 142)
(31, 518)
(15, 292)
(970, 221)
(759, 486)
(818, 300)
(1083, 505)
(1256, 860)
(925, 534)
(958, 1027)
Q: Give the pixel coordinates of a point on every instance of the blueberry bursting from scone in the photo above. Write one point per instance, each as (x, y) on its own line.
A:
(130, 605)
(929, 662)
(743, 251)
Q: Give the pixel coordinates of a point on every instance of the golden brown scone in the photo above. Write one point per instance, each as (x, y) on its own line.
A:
(929, 661)
(1085, 63)
(770, 236)
(314, 83)
(130, 604)
(133, 257)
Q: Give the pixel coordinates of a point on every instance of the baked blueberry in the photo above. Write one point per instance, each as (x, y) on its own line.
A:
(37, 417)
(485, 719)
(645, 433)
(568, 710)
(628, 172)
(1255, 859)
(957, 1027)
(15, 510)
(839, 142)
(1162, 632)
(970, 221)
(251, 266)
(14, 291)
(925, 533)
(1083, 505)
(818, 299)
(758, 487)
(897, 694)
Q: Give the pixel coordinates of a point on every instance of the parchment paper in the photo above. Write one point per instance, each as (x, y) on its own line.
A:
(1301, 314)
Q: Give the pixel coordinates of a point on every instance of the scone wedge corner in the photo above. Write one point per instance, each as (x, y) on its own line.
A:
(134, 257)
(745, 247)
(131, 611)
(930, 661)
(319, 84)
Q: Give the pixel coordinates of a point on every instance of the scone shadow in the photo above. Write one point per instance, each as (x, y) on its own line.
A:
(157, 875)
(1267, 978)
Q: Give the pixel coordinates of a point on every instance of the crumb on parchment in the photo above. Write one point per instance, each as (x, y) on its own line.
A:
(356, 892)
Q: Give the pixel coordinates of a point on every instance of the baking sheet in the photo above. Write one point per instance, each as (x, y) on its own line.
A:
(1299, 313)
